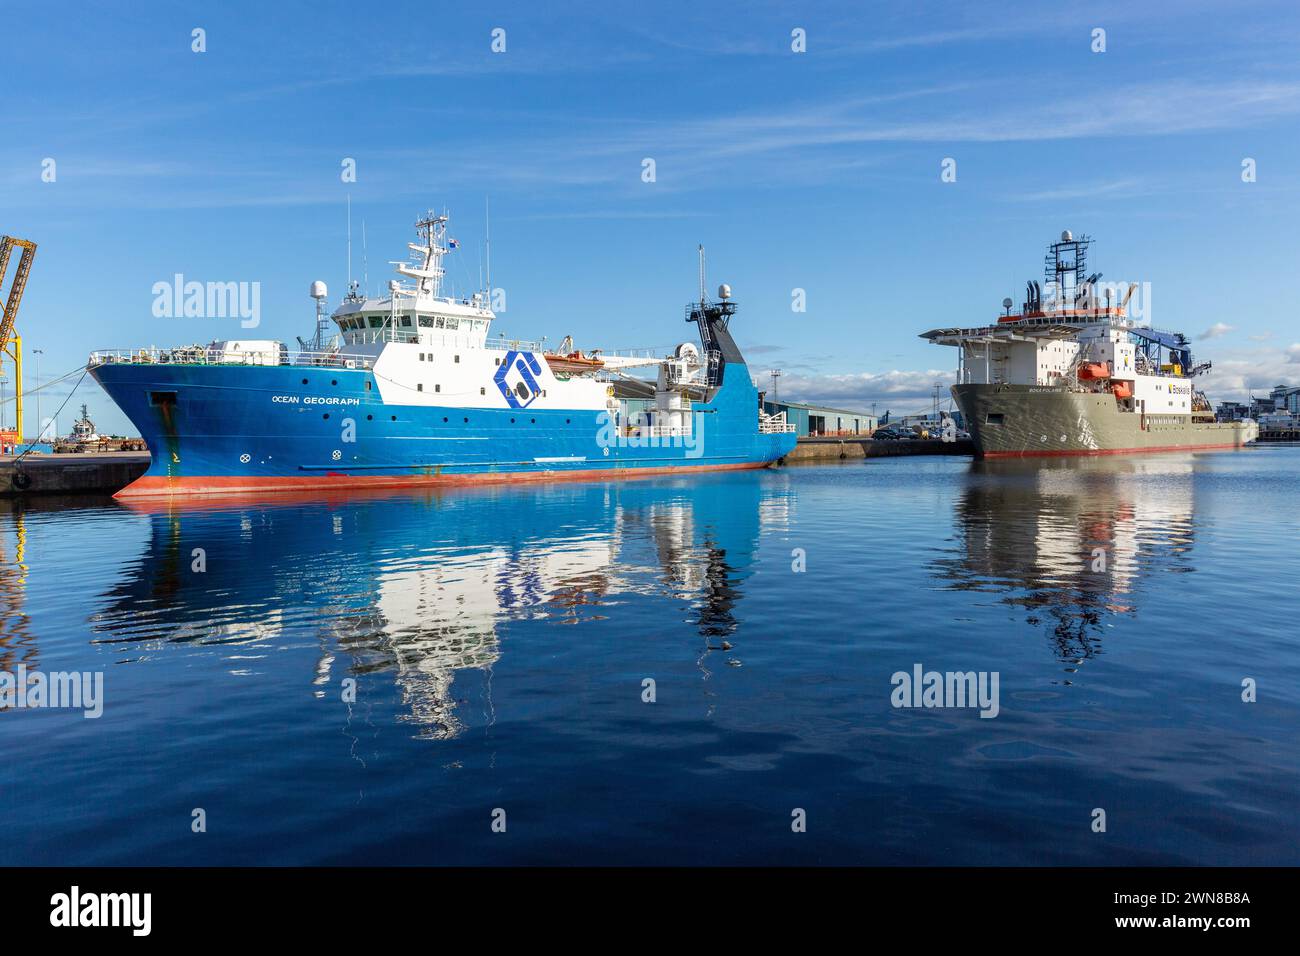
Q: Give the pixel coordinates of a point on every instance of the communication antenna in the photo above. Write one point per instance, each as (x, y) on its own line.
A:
(365, 260)
(701, 248)
(487, 233)
(349, 242)
(776, 373)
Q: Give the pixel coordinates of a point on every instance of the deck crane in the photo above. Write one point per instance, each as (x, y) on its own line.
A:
(11, 344)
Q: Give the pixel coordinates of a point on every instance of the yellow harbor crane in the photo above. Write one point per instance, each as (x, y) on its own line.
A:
(11, 343)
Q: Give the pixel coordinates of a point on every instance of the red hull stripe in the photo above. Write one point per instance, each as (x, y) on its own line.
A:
(155, 486)
(1106, 451)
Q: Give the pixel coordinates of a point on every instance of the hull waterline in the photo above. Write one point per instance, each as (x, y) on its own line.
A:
(1022, 421)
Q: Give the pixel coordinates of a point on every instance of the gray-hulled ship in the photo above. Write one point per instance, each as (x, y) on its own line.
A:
(1073, 374)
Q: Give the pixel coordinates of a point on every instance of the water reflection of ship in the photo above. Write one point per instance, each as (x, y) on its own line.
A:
(1070, 539)
(419, 586)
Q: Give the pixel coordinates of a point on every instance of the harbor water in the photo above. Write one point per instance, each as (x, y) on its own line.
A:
(669, 671)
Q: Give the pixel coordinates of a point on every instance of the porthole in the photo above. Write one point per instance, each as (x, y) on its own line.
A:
(444, 418)
(326, 415)
(370, 418)
(304, 381)
(334, 381)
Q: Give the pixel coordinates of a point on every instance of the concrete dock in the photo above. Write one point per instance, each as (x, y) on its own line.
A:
(103, 472)
(823, 449)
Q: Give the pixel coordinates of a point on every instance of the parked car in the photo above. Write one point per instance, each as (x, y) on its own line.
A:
(893, 433)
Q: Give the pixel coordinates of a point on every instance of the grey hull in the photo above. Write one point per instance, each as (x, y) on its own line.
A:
(1008, 421)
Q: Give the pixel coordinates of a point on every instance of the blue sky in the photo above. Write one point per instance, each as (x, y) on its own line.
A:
(817, 170)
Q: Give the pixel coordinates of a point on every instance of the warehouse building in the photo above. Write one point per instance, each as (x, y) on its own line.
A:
(814, 420)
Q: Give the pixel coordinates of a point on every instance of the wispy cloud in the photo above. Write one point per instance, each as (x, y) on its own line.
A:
(1113, 189)
(1217, 330)
(797, 143)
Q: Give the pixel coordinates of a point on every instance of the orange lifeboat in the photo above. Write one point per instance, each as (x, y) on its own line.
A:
(1122, 390)
(1094, 370)
(573, 363)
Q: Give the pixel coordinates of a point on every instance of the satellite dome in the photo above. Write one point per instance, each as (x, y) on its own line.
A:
(318, 290)
(1066, 236)
(1006, 303)
(724, 291)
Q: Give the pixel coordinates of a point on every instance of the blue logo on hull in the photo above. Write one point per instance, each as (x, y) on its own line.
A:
(525, 389)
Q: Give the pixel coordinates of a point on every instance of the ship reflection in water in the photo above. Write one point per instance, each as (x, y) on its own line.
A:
(500, 642)
(420, 587)
(1070, 540)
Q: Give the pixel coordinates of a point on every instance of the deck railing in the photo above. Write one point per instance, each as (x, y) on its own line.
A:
(199, 355)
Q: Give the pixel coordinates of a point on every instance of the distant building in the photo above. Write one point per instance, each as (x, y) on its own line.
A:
(1286, 398)
(1232, 411)
(822, 419)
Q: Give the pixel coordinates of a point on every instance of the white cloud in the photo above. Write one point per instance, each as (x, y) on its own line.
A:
(1251, 372)
(1217, 330)
(859, 389)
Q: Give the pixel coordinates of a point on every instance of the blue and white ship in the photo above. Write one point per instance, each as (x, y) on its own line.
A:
(412, 389)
